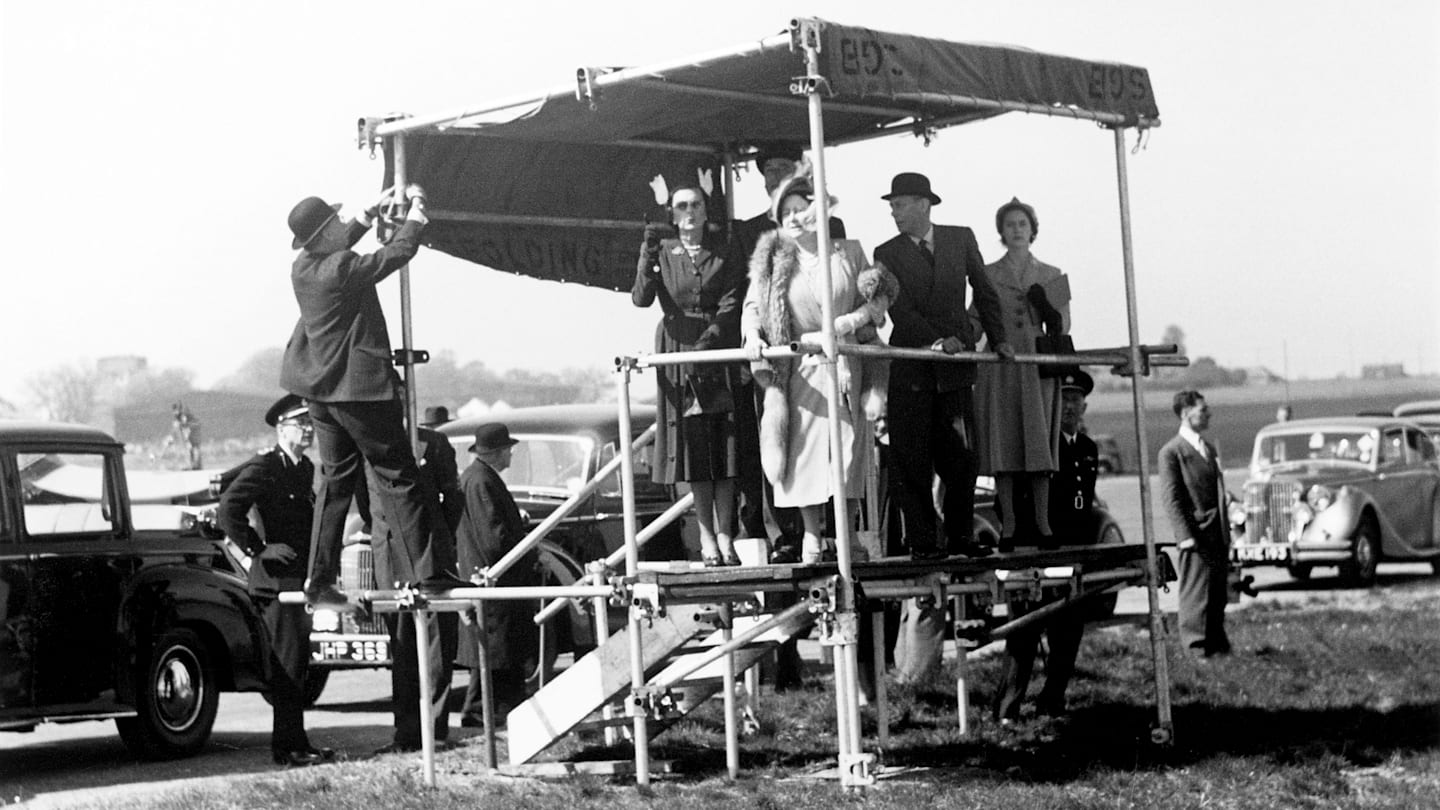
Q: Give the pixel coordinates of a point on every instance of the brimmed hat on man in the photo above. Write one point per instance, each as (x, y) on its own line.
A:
(287, 407)
(492, 436)
(775, 151)
(308, 220)
(435, 415)
(911, 184)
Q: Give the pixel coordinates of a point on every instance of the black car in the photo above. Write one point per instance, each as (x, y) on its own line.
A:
(105, 614)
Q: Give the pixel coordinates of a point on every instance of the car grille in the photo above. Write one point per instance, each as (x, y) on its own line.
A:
(357, 573)
(1269, 511)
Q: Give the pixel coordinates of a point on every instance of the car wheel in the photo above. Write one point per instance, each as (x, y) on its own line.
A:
(1365, 557)
(1298, 571)
(176, 699)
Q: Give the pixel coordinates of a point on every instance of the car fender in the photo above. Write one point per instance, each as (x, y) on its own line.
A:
(213, 604)
(1341, 520)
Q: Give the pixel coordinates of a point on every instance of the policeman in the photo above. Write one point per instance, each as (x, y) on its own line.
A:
(278, 484)
(1072, 516)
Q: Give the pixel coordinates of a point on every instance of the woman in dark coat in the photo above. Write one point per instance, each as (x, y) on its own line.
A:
(700, 285)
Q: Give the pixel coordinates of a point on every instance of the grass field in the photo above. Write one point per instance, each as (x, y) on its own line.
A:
(1327, 704)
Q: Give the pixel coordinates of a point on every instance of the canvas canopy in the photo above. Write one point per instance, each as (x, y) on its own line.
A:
(557, 185)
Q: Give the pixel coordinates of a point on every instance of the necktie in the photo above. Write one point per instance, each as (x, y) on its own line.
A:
(926, 252)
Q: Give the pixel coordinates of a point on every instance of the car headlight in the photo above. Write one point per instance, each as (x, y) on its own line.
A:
(1237, 513)
(325, 621)
(1320, 497)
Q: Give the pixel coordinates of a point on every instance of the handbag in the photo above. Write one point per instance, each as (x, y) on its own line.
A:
(1059, 344)
(707, 392)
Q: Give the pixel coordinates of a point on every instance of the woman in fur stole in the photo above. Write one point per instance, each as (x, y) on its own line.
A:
(783, 304)
(698, 281)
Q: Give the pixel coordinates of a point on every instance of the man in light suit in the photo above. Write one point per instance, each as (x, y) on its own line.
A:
(1192, 491)
(930, 414)
(338, 359)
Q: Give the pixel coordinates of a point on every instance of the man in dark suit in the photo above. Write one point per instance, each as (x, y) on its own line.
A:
(277, 483)
(439, 473)
(339, 360)
(490, 526)
(1192, 491)
(1072, 516)
(930, 414)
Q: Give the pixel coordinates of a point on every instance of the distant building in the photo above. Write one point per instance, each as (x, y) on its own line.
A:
(1383, 371)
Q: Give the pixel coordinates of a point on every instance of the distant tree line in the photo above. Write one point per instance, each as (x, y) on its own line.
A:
(1203, 372)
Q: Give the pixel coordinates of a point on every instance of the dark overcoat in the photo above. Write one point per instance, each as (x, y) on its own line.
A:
(340, 349)
(491, 525)
(283, 494)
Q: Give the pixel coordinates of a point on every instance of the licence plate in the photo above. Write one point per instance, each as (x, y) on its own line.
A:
(377, 651)
(1263, 553)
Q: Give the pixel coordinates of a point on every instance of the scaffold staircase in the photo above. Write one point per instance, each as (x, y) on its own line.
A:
(671, 644)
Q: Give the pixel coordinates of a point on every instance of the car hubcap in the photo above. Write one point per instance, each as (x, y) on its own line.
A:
(177, 689)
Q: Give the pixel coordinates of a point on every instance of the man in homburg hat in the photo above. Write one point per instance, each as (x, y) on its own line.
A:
(930, 413)
(339, 360)
(490, 526)
(277, 483)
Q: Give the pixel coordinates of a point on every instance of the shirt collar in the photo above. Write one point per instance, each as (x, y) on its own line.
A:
(929, 237)
(1188, 434)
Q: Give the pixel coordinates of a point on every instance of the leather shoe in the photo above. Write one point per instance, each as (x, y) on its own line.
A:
(928, 554)
(974, 549)
(298, 759)
(328, 596)
(472, 721)
(785, 555)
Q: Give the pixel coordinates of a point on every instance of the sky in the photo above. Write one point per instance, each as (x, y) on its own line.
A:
(1284, 214)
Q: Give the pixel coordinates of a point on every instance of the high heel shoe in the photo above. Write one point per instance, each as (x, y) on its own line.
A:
(728, 557)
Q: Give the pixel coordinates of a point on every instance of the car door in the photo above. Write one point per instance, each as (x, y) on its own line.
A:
(16, 676)
(72, 534)
(1399, 481)
(1422, 458)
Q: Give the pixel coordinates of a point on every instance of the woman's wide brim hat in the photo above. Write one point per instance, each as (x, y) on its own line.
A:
(797, 183)
(308, 218)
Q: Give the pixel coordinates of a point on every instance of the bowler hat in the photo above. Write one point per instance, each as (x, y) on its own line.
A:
(286, 407)
(912, 184)
(308, 218)
(1078, 380)
(492, 436)
(435, 415)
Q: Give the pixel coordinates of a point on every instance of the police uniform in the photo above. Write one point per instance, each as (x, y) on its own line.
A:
(1072, 517)
(282, 492)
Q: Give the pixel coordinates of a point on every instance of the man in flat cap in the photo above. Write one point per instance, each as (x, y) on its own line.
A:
(339, 360)
(1072, 516)
(490, 526)
(277, 484)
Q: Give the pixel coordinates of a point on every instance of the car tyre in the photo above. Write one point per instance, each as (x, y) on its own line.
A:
(1360, 569)
(177, 697)
(1299, 572)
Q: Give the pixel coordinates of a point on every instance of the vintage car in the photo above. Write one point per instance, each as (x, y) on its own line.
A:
(107, 613)
(1425, 413)
(1351, 492)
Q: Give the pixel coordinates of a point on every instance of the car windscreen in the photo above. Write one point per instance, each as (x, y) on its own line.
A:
(556, 463)
(1340, 445)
